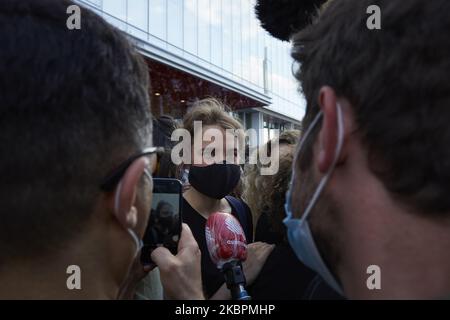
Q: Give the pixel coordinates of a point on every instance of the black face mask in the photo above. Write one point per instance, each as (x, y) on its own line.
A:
(216, 180)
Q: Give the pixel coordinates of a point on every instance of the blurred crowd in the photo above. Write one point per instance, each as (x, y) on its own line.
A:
(365, 183)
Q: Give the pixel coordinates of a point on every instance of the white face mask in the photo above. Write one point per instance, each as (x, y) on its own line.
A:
(185, 176)
(299, 233)
(137, 241)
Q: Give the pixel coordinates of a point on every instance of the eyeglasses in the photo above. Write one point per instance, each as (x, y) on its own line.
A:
(110, 181)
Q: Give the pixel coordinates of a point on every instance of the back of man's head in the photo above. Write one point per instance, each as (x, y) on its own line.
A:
(73, 104)
(397, 80)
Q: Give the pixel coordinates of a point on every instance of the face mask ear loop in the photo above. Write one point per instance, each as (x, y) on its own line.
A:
(324, 180)
(299, 149)
(147, 174)
(307, 133)
(138, 242)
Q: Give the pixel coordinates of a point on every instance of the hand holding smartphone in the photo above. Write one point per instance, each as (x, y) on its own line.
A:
(164, 226)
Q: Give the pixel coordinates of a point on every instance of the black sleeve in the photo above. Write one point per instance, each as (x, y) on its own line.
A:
(282, 277)
(242, 212)
(249, 217)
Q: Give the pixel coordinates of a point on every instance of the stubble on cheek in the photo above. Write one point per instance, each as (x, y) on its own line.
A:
(323, 219)
(327, 229)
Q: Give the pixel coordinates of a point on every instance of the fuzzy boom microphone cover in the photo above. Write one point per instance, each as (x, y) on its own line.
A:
(281, 18)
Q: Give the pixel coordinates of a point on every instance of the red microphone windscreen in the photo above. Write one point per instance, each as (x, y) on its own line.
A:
(225, 239)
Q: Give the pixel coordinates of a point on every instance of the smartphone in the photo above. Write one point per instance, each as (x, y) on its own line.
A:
(164, 225)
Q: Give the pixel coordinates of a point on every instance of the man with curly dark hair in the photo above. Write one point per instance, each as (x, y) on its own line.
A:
(76, 160)
(370, 206)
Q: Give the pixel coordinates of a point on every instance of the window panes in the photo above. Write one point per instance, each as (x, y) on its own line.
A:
(175, 23)
(138, 18)
(216, 32)
(158, 18)
(204, 30)
(190, 26)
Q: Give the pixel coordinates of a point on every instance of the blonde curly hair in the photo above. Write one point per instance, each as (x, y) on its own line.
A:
(266, 193)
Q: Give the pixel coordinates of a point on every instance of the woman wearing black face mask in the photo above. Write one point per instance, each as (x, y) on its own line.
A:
(208, 192)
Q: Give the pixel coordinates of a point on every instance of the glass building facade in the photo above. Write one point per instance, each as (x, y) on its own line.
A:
(219, 42)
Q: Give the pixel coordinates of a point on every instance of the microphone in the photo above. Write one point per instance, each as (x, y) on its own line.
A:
(227, 247)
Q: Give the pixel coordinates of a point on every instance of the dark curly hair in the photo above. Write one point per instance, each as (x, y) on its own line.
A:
(397, 80)
(73, 105)
(267, 193)
(162, 132)
(281, 18)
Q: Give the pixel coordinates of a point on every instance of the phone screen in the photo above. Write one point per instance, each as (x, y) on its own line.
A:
(164, 226)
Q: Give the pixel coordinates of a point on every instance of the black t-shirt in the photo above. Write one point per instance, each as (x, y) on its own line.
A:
(211, 276)
(265, 232)
(283, 276)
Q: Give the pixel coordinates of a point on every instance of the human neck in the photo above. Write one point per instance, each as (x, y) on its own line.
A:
(201, 203)
(421, 275)
(410, 249)
(49, 280)
(375, 228)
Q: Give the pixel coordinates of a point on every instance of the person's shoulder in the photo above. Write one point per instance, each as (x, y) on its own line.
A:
(242, 212)
(248, 211)
(238, 207)
(235, 202)
(247, 208)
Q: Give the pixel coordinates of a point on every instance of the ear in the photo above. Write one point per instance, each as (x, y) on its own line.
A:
(125, 194)
(328, 136)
